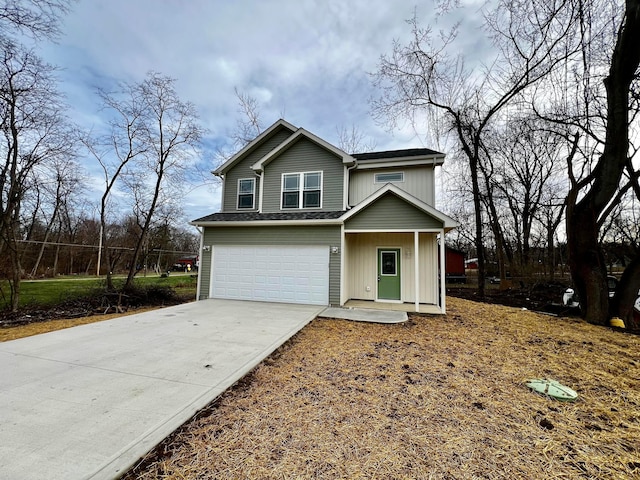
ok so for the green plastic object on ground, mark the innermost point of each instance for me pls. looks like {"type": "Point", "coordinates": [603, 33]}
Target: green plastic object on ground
{"type": "Point", "coordinates": [552, 388]}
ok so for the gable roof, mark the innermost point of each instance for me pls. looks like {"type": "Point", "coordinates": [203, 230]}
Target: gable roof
{"type": "Point", "coordinates": [447, 222]}
{"type": "Point", "coordinates": [298, 135]}
{"type": "Point", "coordinates": [253, 144]}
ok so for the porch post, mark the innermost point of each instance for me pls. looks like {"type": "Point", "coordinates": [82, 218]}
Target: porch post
{"type": "Point", "coordinates": [416, 267]}
{"type": "Point", "coordinates": [443, 275]}
{"type": "Point", "coordinates": [343, 274]}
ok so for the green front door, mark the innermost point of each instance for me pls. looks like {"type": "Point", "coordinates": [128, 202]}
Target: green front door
{"type": "Point", "coordinates": [388, 274]}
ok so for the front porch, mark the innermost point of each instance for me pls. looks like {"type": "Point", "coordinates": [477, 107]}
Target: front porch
{"type": "Point", "coordinates": [396, 307]}
{"type": "Point", "coordinates": [414, 266]}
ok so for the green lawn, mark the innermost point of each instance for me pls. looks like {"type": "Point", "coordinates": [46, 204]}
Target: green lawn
{"type": "Point", "coordinates": [53, 291]}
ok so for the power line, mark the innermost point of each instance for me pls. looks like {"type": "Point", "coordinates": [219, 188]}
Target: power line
{"type": "Point", "coordinates": [83, 245]}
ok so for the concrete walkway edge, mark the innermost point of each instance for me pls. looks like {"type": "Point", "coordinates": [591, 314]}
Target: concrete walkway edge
{"type": "Point", "coordinates": [365, 315]}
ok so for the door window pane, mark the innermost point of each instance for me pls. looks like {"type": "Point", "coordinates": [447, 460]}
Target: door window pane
{"type": "Point", "coordinates": [388, 260]}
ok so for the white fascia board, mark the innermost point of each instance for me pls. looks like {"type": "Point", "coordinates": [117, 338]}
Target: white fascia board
{"type": "Point", "coordinates": [251, 145]}
{"type": "Point", "coordinates": [301, 132]}
{"type": "Point", "coordinates": [269, 223]}
{"type": "Point", "coordinates": [448, 222]}
{"type": "Point", "coordinates": [394, 230]}
{"type": "Point", "coordinates": [401, 162]}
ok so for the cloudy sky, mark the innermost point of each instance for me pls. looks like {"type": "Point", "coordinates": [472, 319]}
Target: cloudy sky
{"type": "Point", "coordinates": [306, 60]}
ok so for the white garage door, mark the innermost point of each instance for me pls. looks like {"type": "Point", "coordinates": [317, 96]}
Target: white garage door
{"type": "Point", "coordinates": [289, 274]}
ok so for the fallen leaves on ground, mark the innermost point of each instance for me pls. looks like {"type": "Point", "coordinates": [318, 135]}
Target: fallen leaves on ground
{"type": "Point", "coordinates": [436, 397]}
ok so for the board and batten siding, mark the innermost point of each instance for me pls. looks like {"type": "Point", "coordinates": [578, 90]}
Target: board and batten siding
{"type": "Point", "coordinates": [305, 156]}
{"type": "Point", "coordinates": [273, 235]}
{"type": "Point", "coordinates": [243, 170]}
{"type": "Point", "coordinates": [418, 181]}
{"type": "Point", "coordinates": [361, 269]}
{"type": "Point", "coordinates": [390, 212]}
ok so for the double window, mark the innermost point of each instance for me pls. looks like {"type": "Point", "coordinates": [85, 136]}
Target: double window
{"type": "Point", "coordinates": [302, 190]}
{"type": "Point", "coordinates": [246, 193]}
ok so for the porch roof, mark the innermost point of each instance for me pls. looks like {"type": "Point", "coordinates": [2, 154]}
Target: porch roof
{"type": "Point", "coordinates": [442, 220]}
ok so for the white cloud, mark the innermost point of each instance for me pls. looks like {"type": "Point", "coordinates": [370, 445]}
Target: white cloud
{"type": "Point", "coordinates": [309, 59]}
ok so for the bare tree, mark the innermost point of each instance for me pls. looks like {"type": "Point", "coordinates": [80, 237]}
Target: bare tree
{"type": "Point", "coordinates": [37, 18]}
{"type": "Point", "coordinates": [64, 181]}
{"type": "Point", "coordinates": [595, 100]}
{"type": "Point", "coordinates": [171, 135]}
{"type": "Point", "coordinates": [525, 181]}
{"type": "Point", "coordinates": [425, 79]}
{"type": "Point", "coordinates": [249, 125]}
{"type": "Point", "coordinates": [125, 141]}
{"type": "Point", "coordinates": [34, 132]}
{"type": "Point", "coordinates": [352, 140]}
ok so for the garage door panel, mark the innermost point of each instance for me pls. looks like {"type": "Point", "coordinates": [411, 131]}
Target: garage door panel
{"type": "Point", "coordinates": [292, 274]}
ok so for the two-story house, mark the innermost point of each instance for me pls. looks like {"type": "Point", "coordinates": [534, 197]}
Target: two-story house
{"type": "Point", "coordinates": [304, 222]}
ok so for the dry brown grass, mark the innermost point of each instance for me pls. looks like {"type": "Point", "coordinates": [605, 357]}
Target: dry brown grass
{"type": "Point", "coordinates": [36, 328]}
{"type": "Point", "coordinates": [438, 397]}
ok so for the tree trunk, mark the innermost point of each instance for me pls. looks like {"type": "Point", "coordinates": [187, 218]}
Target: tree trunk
{"type": "Point", "coordinates": [627, 292]}
{"type": "Point", "coordinates": [587, 264]}
{"type": "Point", "coordinates": [34, 270]}
{"type": "Point", "coordinates": [586, 260]}
{"type": "Point", "coordinates": [551, 254]}
{"type": "Point", "coordinates": [477, 205]}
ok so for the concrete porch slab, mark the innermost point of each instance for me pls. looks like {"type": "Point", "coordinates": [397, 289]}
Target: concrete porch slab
{"type": "Point", "coordinates": [364, 315]}
{"type": "Point", "coordinates": [398, 307]}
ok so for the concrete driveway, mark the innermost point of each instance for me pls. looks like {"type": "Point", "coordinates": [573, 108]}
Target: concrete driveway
{"type": "Point", "coordinates": [89, 401]}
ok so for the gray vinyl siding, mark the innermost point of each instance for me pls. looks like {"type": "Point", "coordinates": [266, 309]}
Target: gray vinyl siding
{"type": "Point", "coordinates": [276, 235]}
{"type": "Point", "coordinates": [243, 170]}
{"type": "Point", "coordinates": [305, 156]}
{"type": "Point", "coordinates": [390, 212]}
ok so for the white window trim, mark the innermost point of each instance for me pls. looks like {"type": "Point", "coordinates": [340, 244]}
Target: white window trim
{"type": "Point", "coordinates": [301, 190]}
{"type": "Point", "coordinates": [375, 177]}
{"type": "Point", "coordinates": [253, 193]}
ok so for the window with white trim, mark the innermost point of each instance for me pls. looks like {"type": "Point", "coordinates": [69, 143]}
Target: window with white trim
{"type": "Point", "coordinates": [389, 177]}
{"type": "Point", "coordinates": [246, 193]}
{"type": "Point", "coordinates": [302, 190]}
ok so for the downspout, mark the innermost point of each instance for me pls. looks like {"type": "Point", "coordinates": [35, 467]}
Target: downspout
{"type": "Point", "coordinates": [221, 176]}
{"type": "Point", "coordinates": [347, 182]}
{"type": "Point", "coordinates": [261, 177]}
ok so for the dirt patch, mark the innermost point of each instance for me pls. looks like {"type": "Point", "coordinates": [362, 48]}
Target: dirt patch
{"type": "Point", "coordinates": [82, 308]}
{"type": "Point", "coordinates": [51, 325]}
{"type": "Point", "coordinates": [436, 397]}
{"type": "Point", "coordinates": [544, 297]}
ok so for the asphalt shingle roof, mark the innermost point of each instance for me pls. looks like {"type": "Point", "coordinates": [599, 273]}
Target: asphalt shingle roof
{"type": "Point", "coordinates": [255, 216]}
{"type": "Point", "coordinates": [409, 152]}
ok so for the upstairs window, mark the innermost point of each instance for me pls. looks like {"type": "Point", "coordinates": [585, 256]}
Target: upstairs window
{"type": "Point", "coordinates": [312, 187]}
{"type": "Point", "coordinates": [302, 190]}
{"type": "Point", "coordinates": [391, 177]}
{"type": "Point", "coordinates": [246, 193]}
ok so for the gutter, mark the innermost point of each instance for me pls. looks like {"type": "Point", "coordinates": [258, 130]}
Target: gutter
{"type": "Point", "coordinates": [253, 223]}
